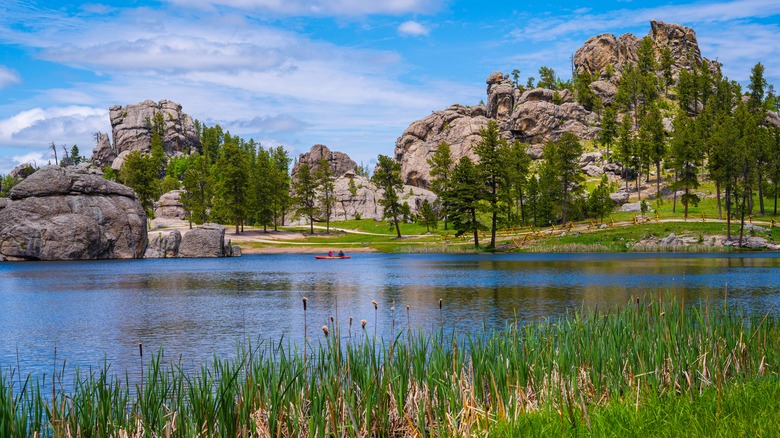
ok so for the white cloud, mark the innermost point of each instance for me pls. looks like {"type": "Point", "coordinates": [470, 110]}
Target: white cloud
{"type": "Point", "coordinates": [321, 7]}
{"type": "Point", "coordinates": [8, 76]}
{"type": "Point", "coordinates": [39, 126]}
{"type": "Point", "coordinates": [413, 28]}
{"type": "Point", "coordinates": [34, 158]}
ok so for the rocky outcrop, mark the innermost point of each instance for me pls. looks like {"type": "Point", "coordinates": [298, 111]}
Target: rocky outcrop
{"type": "Point", "coordinates": [131, 130]}
{"type": "Point", "coordinates": [605, 50]}
{"type": "Point", "coordinates": [163, 245]}
{"type": "Point", "coordinates": [339, 162]}
{"type": "Point", "coordinates": [62, 214]}
{"type": "Point", "coordinates": [205, 241]}
{"type": "Point", "coordinates": [169, 206]}
{"type": "Point", "coordinates": [103, 154]}
{"type": "Point", "coordinates": [457, 125]}
{"type": "Point", "coordinates": [22, 171]}
{"type": "Point", "coordinates": [535, 116]}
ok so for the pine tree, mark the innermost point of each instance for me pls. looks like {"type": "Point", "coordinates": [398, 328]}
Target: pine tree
{"type": "Point", "coordinates": [653, 135]}
{"type": "Point", "coordinates": [625, 147]}
{"type": "Point", "coordinates": [547, 78]}
{"type": "Point", "coordinates": [518, 165]}
{"type": "Point", "coordinates": [562, 159]}
{"type": "Point", "coordinates": [667, 62]}
{"type": "Point", "coordinates": [464, 198]}
{"type": "Point", "coordinates": [139, 172]}
{"type": "Point", "coordinates": [281, 184]}
{"type": "Point", "coordinates": [198, 189]}
{"type": "Point", "coordinates": [263, 183]}
{"type": "Point", "coordinates": [686, 156]}
{"type": "Point", "coordinates": [492, 151]}
{"type": "Point", "coordinates": [441, 164]}
{"type": "Point", "coordinates": [599, 202]}
{"type": "Point", "coordinates": [325, 187]}
{"type": "Point", "coordinates": [232, 184]}
{"type": "Point", "coordinates": [304, 186]}
{"type": "Point", "coordinates": [428, 216]}
{"type": "Point", "coordinates": [757, 86]}
{"type": "Point", "coordinates": [387, 177]}
{"type": "Point", "coordinates": [608, 131]}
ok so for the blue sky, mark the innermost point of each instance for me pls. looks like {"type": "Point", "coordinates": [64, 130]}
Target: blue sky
{"type": "Point", "coordinates": [351, 74]}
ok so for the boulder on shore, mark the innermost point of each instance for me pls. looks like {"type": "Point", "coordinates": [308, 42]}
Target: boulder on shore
{"type": "Point", "coordinates": [63, 214]}
{"type": "Point", "coordinates": [205, 241]}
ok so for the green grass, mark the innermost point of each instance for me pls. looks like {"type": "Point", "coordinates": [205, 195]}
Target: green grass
{"type": "Point", "coordinates": [649, 368]}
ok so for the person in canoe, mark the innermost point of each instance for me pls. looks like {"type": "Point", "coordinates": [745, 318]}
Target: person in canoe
{"type": "Point", "coordinates": [330, 253]}
{"type": "Point", "coordinates": [341, 253]}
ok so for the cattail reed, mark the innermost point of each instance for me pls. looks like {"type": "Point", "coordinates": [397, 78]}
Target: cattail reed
{"type": "Point", "coordinates": [375, 315]}
{"type": "Point", "coordinates": [305, 335]}
{"type": "Point", "coordinates": [141, 351]}
{"type": "Point", "coordinates": [325, 330]}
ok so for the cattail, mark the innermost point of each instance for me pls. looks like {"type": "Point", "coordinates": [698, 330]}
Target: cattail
{"type": "Point", "coordinates": [325, 330]}
{"type": "Point", "coordinates": [331, 319]}
{"type": "Point", "coordinates": [350, 322]}
{"type": "Point", "coordinates": [305, 300]}
{"type": "Point", "coordinates": [407, 307]}
{"type": "Point", "coordinates": [440, 300]}
{"type": "Point", "coordinates": [374, 303]}
{"type": "Point", "coordinates": [363, 323]}
{"type": "Point", "coordinates": [392, 307]}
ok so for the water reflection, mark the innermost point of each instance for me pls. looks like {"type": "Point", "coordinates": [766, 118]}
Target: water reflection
{"type": "Point", "coordinates": [198, 308]}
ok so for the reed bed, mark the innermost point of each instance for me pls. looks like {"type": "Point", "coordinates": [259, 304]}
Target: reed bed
{"type": "Point", "coordinates": [417, 383]}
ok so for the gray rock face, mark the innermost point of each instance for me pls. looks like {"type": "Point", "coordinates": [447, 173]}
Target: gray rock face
{"type": "Point", "coordinates": [592, 170]}
{"type": "Point", "coordinates": [602, 50]}
{"type": "Point", "coordinates": [131, 129]}
{"type": "Point", "coordinates": [457, 125]}
{"type": "Point", "coordinates": [619, 198]}
{"type": "Point", "coordinates": [502, 95]}
{"type": "Point", "coordinates": [604, 90]}
{"type": "Point", "coordinates": [169, 206]}
{"type": "Point", "coordinates": [22, 171]}
{"type": "Point", "coordinates": [340, 163]}
{"type": "Point", "coordinates": [634, 207]}
{"type": "Point", "coordinates": [60, 214]}
{"type": "Point", "coordinates": [539, 121]}
{"type": "Point", "coordinates": [206, 241]}
{"type": "Point", "coordinates": [164, 245]}
{"type": "Point", "coordinates": [103, 154]}
{"type": "Point", "coordinates": [671, 240]}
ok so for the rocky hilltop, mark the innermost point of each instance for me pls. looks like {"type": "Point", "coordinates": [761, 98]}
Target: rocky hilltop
{"type": "Point", "coordinates": [536, 116]}
{"type": "Point", "coordinates": [62, 214]}
{"type": "Point", "coordinates": [131, 131]}
{"type": "Point", "coordinates": [340, 163]}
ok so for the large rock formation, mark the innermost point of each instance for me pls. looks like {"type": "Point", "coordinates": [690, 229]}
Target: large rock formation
{"type": "Point", "coordinates": [340, 163]}
{"type": "Point", "coordinates": [457, 125]}
{"type": "Point", "coordinates": [61, 214]}
{"type": "Point", "coordinates": [131, 130]}
{"type": "Point", "coordinates": [534, 116]}
{"type": "Point", "coordinates": [169, 206]}
{"type": "Point", "coordinates": [205, 241]}
{"type": "Point", "coordinates": [605, 50]}
{"type": "Point", "coordinates": [364, 202]}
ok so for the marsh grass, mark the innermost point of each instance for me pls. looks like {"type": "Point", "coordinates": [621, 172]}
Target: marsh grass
{"type": "Point", "coordinates": [576, 374]}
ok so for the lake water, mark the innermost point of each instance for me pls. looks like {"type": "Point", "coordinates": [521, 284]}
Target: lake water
{"type": "Point", "coordinates": [196, 308]}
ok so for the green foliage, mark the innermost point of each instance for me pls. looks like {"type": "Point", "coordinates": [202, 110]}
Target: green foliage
{"type": "Point", "coordinates": [562, 172]}
{"type": "Point", "coordinates": [463, 199]}
{"type": "Point", "coordinates": [7, 182]}
{"type": "Point", "coordinates": [169, 183]}
{"type": "Point", "coordinates": [109, 173]}
{"type": "Point", "coordinates": [585, 95]}
{"type": "Point", "coordinates": [324, 179]}
{"type": "Point", "coordinates": [608, 131]}
{"type": "Point", "coordinates": [231, 202]}
{"type": "Point", "coordinates": [686, 155]}
{"type": "Point", "coordinates": [387, 177]}
{"type": "Point", "coordinates": [667, 62]}
{"type": "Point", "coordinates": [441, 165]}
{"type": "Point", "coordinates": [304, 187]}
{"type": "Point", "coordinates": [757, 86]}
{"type": "Point", "coordinates": [493, 152]}
{"type": "Point", "coordinates": [198, 189]}
{"type": "Point", "coordinates": [518, 165]}
{"type": "Point", "coordinates": [599, 202]}
{"type": "Point", "coordinates": [140, 173]}
{"type": "Point", "coordinates": [428, 216]}
{"type": "Point", "coordinates": [547, 78]}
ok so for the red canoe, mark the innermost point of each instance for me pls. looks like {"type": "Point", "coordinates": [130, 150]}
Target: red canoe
{"type": "Point", "coordinates": [330, 257]}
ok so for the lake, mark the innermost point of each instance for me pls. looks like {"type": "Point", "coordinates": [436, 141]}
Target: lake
{"type": "Point", "coordinates": [195, 308]}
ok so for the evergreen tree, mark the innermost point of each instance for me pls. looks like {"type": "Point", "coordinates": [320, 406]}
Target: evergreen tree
{"type": "Point", "coordinates": [562, 160]}
{"type": "Point", "coordinates": [139, 172]}
{"type": "Point", "coordinates": [428, 216]}
{"type": "Point", "coordinates": [533, 198]}
{"type": "Point", "coordinates": [547, 78]}
{"type": "Point", "coordinates": [653, 136]}
{"type": "Point", "coordinates": [585, 95]}
{"type": "Point", "coordinates": [263, 188]}
{"type": "Point", "coordinates": [599, 202]}
{"type": "Point", "coordinates": [492, 151]}
{"type": "Point", "coordinates": [625, 147]}
{"type": "Point", "coordinates": [441, 164]}
{"type": "Point", "coordinates": [686, 156]}
{"type": "Point", "coordinates": [518, 165]}
{"type": "Point", "coordinates": [757, 86]}
{"type": "Point", "coordinates": [667, 62]}
{"type": "Point", "coordinates": [305, 188]}
{"type": "Point", "coordinates": [325, 187]}
{"type": "Point", "coordinates": [608, 131]}
{"type": "Point", "coordinates": [198, 189]}
{"type": "Point", "coordinates": [387, 177]}
{"type": "Point", "coordinates": [281, 184]}
{"type": "Point", "coordinates": [464, 198]}
{"type": "Point", "coordinates": [232, 184]}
